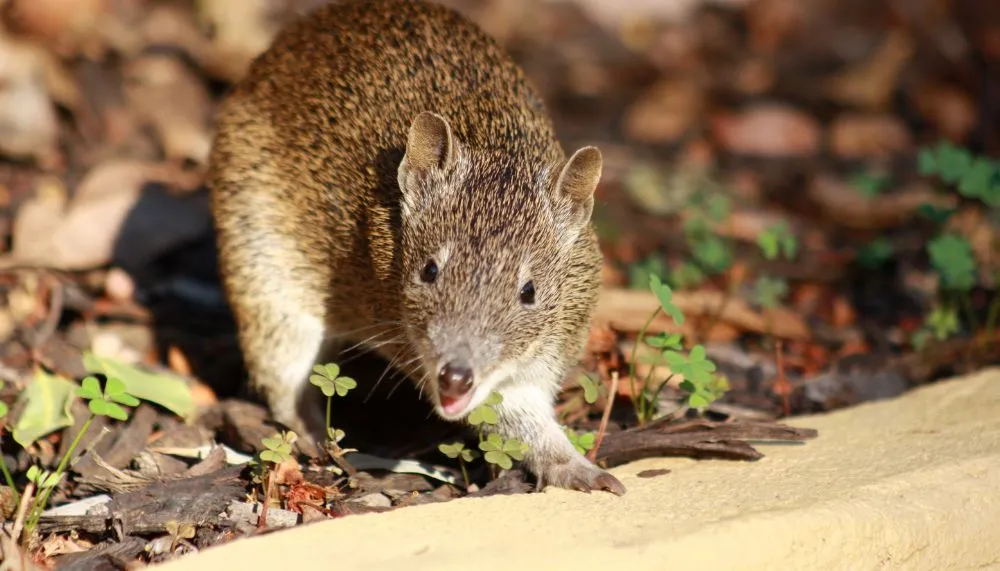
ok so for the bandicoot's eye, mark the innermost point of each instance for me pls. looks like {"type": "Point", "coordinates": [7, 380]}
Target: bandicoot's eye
{"type": "Point", "coordinates": [429, 273]}
{"type": "Point", "coordinates": [528, 293]}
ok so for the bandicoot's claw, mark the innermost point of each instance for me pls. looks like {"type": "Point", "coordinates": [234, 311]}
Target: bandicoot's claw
{"type": "Point", "coordinates": [582, 476]}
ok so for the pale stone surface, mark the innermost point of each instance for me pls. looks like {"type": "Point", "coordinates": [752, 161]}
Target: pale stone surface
{"type": "Point", "coordinates": [911, 483]}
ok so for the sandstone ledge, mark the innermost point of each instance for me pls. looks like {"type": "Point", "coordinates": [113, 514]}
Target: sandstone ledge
{"type": "Point", "coordinates": [911, 483]}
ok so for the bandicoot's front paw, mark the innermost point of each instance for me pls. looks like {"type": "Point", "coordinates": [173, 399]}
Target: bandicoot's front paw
{"type": "Point", "coordinates": [579, 474]}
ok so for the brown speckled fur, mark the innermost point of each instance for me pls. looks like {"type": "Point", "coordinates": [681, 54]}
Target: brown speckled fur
{"type": "Point", "coordinates": [317, 249]}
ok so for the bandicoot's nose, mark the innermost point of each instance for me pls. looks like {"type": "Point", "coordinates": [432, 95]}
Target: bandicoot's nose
{"type": "Point", "coordinates": [454, 380]}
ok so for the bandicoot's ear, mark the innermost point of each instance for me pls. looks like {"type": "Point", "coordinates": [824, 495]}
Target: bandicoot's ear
{"type": "Point", "coordinates": [575, 187]}
{"type": "Point", "coordinates": [430, 143]}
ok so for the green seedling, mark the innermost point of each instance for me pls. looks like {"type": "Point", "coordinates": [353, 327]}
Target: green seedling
{"type": "Point", "coordinates": [703, 393]}
{"type": "Point", "coordinates": [582, 442]}
{"type": "Point", "coordinates": [277, 449]}
{"type": "Point", "coordinates": [951, 256]}
{"type": "Point", "coordinates": [778, 240]}
{"type": "Point", "coordinates": [769, 292]}
{"type": "Point", "coordinates": [457, 450]}
{"type": "Point", "coordinates": [42, 478]}
{"type": "Point", "coordinates": [502, 453]}
{"type": "Point", "coordinates": [666, 298]}
{"type": "Point", "coordinates": [104, 401]}
{"type": "Point", "coordinates": [713, 253]}
{"type": "Point", "coordinates": [3, 463]}
{"type": "Point", "coordinates": [327, 377]}
{"type": "Point", "coordinates": [639, 272]}
{"type": "Point", "coordinates": [694, 366]}
{"type": "Point", "coordinates": [875, 253]}
{"type": "Point", "coordinates": [590, 388]}
{"type": "Point", "coordinates": [974, 177]}
{"type": "Point", "coordinates": [486, 413]}
{"type": "Point", "coordinates": [870, 183]}
{"type": "Point", "coordinates": [686, 275]}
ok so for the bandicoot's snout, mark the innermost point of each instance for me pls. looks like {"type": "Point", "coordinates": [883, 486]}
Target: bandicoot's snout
{"type": "Point", "coordinates": [454, 386]}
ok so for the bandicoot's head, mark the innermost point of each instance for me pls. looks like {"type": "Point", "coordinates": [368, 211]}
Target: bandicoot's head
{"type": "Point", "coordinates": [488, 244]}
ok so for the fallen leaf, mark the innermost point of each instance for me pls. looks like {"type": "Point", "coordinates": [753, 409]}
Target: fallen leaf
{"type": "Point", "coordinates": [164, 93]}
{"type": "Point", "coordinates": [768, 130]}
{"type": "Point", "coordinates": [837, 201]}
{"type": "Point", "coordinates": [46, 401]}
{"type": "Point", "coordinates": [84, 234]}
{"type": "Point", "coordinates": [666, 111]}
{"type": "Point", "coordinates": [29, 127]}
{"type": "Point", "coordinates": [871, 83]}
{"type": "Point", "coordinates": [859, 136]}
{"type": "Point", "coordinates": [166, 390]}
{"type": "Point", "coordinates": [241, 28]}
{"type": "Point", "coordinates": [950, 110]}
{"type": "Point", "coordinates": [628, 310]}
{"type": "Point", "coordinates": [70, 27]}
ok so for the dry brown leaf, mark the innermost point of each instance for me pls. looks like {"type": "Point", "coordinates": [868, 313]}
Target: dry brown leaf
{"type": "Point", "coordinates": [616, 14]}
{"type": "Point", "coordinates": [770, 22]}
{"type": "Point", "coordinates": [81, 234]}
{"type": "Point", "coordinates": [628, 310]}
{"type": "Point", "coordinates": [174, 25]}
{"type": "Point", "coordinates": [69, 27]}
{"type": "Point", "coordinates": [29, 127]}
{"type": "Point", "coordinates": [241, 29]}
{"type": "Point", "coordinates": [857, 136]}
{"type": "Point", "coordinates": [871, 83]}
{"type": "Point", "coordinates": [13, 558]}
{"type": "Point", "coordinates": [836, 200]}
{"type": "Point", "coordinates": [950, 110]}
{"type": "Point", "coordinates": [666, 111]}
{"type": "Point", "coordinates": [163, 92]}
{"type": "Point", "coordinates": [768, 130]}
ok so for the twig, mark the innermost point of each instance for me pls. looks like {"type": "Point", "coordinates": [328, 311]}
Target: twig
{"type": "Point", "coordinates": [56, 299]}
{"type": "Point", "coordinates": [781, 385]}
{"type": "Point", "coordinates": [262, 519]}
{"type": "Point", "coordinates": [22, 509]}
{"type": "Point", "coordinates": [592, 455]}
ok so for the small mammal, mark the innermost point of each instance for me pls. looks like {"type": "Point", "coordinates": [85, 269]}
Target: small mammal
{"type": "Point", "coordinates": [386, 175]}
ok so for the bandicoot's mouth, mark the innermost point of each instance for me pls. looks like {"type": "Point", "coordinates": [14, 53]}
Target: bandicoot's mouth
{"type": "Point", "coordinates": [454, 406]}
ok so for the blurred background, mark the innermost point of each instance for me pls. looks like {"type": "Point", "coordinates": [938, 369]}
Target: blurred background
{"type": "Point", "coordinates": [778, 162]}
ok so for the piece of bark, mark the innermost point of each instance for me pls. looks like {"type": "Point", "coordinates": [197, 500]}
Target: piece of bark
{"type": "Point", "coordinates": [695, 439]}
{"type": "Point", "coordinates": [508, 482]}
{"type": "Point", "coordinates": [119, 448]}
{"type": "Point", "coordinates": [109, 556]}
{"type": "Point", "coordinates": [197, 501]}
{"type": "Point", "coordinates": [243, 425]}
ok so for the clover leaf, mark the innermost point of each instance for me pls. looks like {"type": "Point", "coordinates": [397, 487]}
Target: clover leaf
{"type": "Point", "coordinates": [777, 240]}
{"type": "Point", "coordinates": [590, 392]}
{"type": "Point", "coordinates": [665, 295]}
{"type": "Point", "coordinates": [486, 413]}
{"type": "Point", "coordinates": [952, 257]}
{"type": "Point", "coordinates": [105, 402]}
{"type": "Point", "coordinates": [278, 448]}
{"type": "Point", "coordinates": [769, 291]}
{"type": "Point", "coordinates": [327, 378]}
{"type": "Point", "coordinates": [458, 450]}
{"type": "Point", "coordinates": [502, 452]}
{"type": "Point", "coordinates": [582, 442]}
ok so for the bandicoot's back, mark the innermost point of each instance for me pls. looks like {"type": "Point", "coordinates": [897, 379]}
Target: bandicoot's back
{"type": "Point", "coordinates": [386, 175]}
